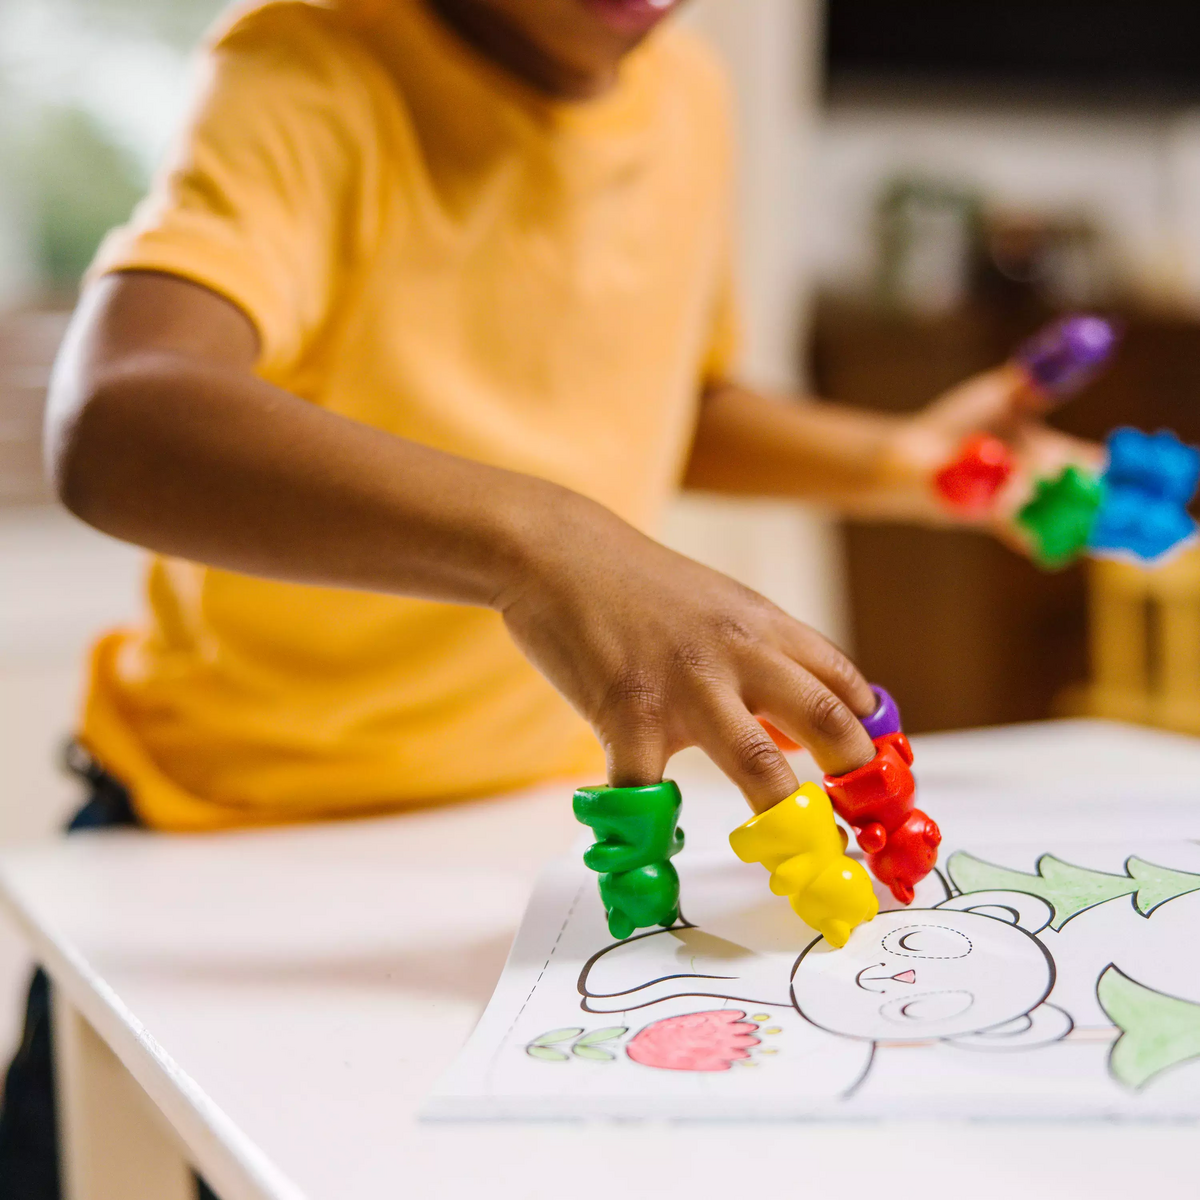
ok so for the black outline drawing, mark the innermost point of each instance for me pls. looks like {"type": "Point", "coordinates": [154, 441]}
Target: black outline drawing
{"type": "Point", "coordinates": [1010, 1035]}
{"type": "Point", "coordinates": [1132, 891]}
{"type": "Point", "coordinates": [1123, 1032]}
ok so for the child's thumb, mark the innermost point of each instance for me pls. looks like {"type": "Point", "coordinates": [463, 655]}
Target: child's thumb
{"type": "Point", "coordinates": [996, 401]}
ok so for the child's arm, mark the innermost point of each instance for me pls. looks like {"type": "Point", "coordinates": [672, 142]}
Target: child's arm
{"type": "Point", "coordinates": [875, 464]}
{"type": "Point", "coordinates": [159, 432]}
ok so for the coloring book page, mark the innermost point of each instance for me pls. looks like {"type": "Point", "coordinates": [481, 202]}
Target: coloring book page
{"type": "Point", "coordinates": [1046, 968]}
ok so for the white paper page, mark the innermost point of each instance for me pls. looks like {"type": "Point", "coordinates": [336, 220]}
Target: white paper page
{"type": "Point", "coordinates": [1073, 993]}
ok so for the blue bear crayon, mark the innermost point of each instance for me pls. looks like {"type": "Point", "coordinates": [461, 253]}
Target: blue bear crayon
{"type": "Point", "coordinates": [1149, 482]}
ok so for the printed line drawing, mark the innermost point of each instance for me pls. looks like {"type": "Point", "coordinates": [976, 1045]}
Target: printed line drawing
{"type": "Point", "coordinates": [1023, 980]}
{"type": "Point", "coordinates": [917, 975]}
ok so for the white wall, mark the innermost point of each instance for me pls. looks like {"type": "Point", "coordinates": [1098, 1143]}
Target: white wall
{"type": "Point", "coordinates": [1136, 173]}
{"type": "Point", "coordinates": [772, 47]}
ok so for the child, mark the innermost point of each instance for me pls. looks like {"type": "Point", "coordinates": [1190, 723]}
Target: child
{"type": "Point", "coordinates": [410, 347]}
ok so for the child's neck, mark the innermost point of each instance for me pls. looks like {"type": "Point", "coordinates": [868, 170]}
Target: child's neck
{"type": "Point", "coordinates": [509, 48]}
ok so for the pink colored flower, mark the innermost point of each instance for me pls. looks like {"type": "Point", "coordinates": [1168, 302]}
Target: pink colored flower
{"type": "Point", "coordinates": [703, 1041]}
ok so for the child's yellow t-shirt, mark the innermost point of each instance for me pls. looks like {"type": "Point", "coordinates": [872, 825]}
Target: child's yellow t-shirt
{"type": "Point", "coordinates": [427, 246]}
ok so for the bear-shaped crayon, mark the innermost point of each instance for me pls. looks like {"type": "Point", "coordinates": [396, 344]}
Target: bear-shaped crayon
{"type": "Point", "coordinates": [1150, 480]}
{"type": "Point", "coordinates": [971, 480]}
{"type": "Point", "coordinates": [1060, 516]}
{"type": "Point", "coordinates": [907, 856]}
{"type": "Point", "coordinates": [1064, 356]}
{"type": "Point", "coordinates": [799, 842]}
{"type": "Point", "coordinates": [637, 835]}
{"type": "Point", "coordinates": [1058, 360]}
{"type": "Point", "coordinates": [885, 717]}
{"type": "Point", "coordinates": [877, 801]}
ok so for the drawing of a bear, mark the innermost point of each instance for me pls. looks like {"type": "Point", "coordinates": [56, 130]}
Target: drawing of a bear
{"type": "Point", "coordinates": [969, 970]}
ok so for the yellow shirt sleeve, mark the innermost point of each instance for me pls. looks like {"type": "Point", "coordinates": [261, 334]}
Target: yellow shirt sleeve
{"type": "Point", "coordinates": [260, 204]}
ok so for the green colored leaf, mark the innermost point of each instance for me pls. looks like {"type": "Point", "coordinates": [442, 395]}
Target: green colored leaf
{"type": "Point", "coordinates": [594, 1053]}
{"type": "Point", "coordinates": [556, 1035]}
{"type": "Point", "coordinates": [1067, 888]}
{"type": "Point", "coordinates": [602, 1035]}
{"type": "Point", "coordinates": [1158, 884]}
{"type": "Point", "coordinates": [1070, 889]}
{"type": "Point", "coordinates": [545, 1053]}
{"type": "Point", "coordinates": [1158, 1031]}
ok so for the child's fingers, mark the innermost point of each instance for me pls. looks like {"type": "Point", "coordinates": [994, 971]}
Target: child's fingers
{"type": "Point", "coordinates": [994, 399]}
{"type": "Point", "coordinates": [743, 749]}
{"type": "Point", "coordinates": [635, 761]}
{"type": "Point", "coordinates": [799, 704]}
{"type": "Point", "coordinates": [1044, 451]}
{"type": "Point", "coordinates": [818, 655]}
{"type": "Point", "coordinates": [635, 746]}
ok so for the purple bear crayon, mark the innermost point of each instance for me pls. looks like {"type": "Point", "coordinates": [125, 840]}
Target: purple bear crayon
{"type": "Point", "coordinates": [883, 720]}
{"type": "Point", "coordinates": [1065, 355]}
{"type": "Point", "coordinates": [886, 717]}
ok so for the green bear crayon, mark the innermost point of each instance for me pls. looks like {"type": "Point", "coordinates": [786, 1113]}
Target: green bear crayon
{"type": "Point", "coordinates": [636, 835]}
{"type": "Point", "coordinates": [1060, 516]}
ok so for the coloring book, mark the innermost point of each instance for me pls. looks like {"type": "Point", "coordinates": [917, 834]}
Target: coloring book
{"type": "Point", "coordinates": [1048, 967]}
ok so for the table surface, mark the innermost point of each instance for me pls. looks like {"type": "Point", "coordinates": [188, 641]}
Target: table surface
{"type": "Point", "coordinates": [288, 998]}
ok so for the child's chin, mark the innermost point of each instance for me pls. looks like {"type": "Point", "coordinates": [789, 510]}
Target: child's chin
{"type": "Point", "coordinates": [631, 16]}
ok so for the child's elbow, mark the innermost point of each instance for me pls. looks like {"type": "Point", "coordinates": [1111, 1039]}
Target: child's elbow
{"type": "Point", "coordinates": [79, 441]}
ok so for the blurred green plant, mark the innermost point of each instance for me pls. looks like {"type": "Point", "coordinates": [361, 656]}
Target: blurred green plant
{"type": "Point", "coordinates": [77, 185]}
{"type": "Point", "coordinates": [72, 162]}
{"type": "Point", "coordinates": [177, 22]}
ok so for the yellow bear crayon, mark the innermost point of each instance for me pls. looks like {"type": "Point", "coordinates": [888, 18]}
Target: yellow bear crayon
{"type": "Point", "coordinates": [799, 842]}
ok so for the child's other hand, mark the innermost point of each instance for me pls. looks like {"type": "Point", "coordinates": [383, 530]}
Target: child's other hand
{"type": "Point", "coordinates": [1000, 402]}
{"type": "Point", "coordinates": [660, 653]}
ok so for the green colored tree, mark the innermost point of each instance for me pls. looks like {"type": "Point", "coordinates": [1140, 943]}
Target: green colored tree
{"type": "Point", "coordinates": [1157, 1031]}
{"type": "Point", "coordinates": [1071, 890]}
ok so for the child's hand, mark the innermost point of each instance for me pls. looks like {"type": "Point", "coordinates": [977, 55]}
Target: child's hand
{"type": "Point", "coordinates": [160, 432]}
{"type": "Point", "coordinates": [1000, 402]}
{"type": "Point", "coordinates": [660, 653]}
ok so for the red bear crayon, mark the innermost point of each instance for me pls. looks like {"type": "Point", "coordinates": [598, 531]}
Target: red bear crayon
{"type": "Point", "coordinates": [971, 480]}
{"type": "Point", "coordinates": [877, 801]}
{"type": "Point", "coordinates": [1057, 361]}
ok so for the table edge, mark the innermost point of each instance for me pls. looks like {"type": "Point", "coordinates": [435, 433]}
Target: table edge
{"type": "Point", "coordinates": [231, 1163]}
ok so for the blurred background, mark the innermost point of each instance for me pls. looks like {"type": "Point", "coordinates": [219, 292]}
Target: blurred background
{"type": "Point", "coordinates": [923, 182]}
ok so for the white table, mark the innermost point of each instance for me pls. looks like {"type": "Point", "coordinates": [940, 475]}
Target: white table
{"type": "Point", "coordinates": [273, 1006]}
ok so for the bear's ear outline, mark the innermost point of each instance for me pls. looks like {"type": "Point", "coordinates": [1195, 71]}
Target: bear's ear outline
{"type": "Point", "coordinates": [1043, 1025]}
{"type": "Point", "coordinates": [1028, 912]}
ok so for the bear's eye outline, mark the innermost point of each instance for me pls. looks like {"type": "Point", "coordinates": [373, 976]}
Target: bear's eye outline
{"type": "Point", "coordinates": [900, 941]}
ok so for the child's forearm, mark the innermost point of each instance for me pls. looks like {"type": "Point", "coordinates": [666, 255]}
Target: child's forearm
{"type": "Point", "coordinates": [747, 444]}
{"type": "Point", "coordinates": [182, 449]}
{"type": "Point", "coordinates": [159, 432]}
{"type": "Point", "coordinates": [871, 464]}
